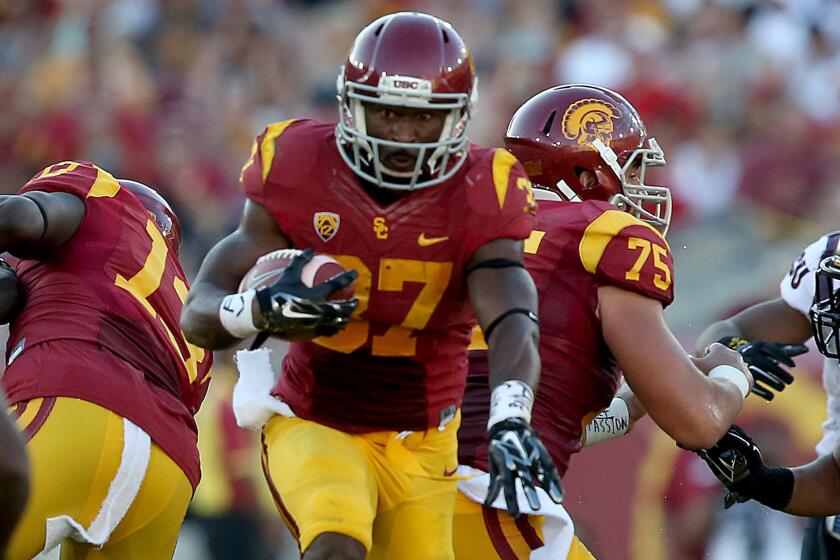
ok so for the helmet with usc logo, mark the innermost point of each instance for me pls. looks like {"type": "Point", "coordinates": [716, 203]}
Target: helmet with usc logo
{"type": "Point", "coordinates": [406, 59]}
{"type": "Point", "coordinates": [567, 129]}
{"type": "Point", "coordinates": [160, 211]}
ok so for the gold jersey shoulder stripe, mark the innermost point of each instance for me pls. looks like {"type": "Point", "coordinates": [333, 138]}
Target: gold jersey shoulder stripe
{"type": "Point", "coordinates": [267, 147]}
{"type": "Point", "coordinates": [503, 160]}
{"type": "Point", "coordinates": [600, 232]}
{"type": "Point", "coordinates": [105, 186]}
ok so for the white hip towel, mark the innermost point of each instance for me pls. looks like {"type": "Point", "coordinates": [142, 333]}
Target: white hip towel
{"type": "Point", "coordinates": [558, 529]}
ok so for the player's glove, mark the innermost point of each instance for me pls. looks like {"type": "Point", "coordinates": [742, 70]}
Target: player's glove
{"type": "Point", "coordinates": [736, 461]}
{"type": "Point", "coordinates": [291, 309]}
{"type": "Point", "coordinates": [516, 452]}
{"type": "Point", "coordinates": [763, 359]}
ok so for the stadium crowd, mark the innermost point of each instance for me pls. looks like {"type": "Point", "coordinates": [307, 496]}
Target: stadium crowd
{"type": "Point", "coordinates": [744, 94]}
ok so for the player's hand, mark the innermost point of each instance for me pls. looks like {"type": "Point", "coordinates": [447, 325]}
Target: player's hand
{"type": "Point", "coordinates": [719, 355]}
{"type": "Point", "coordinates": [291, 309]}
{"type": "Point", "coordinates": [736, 461]}
{"type": "Point", "coordinates": [516, 452]}
{"type": "Point", "coordinates": [764, 359]}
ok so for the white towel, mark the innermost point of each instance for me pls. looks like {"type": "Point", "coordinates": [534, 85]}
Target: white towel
{"type": "Point", "coordinates": [253, 403]}
{"type": "Point", "coordinates": [137, 448]}
{"type": "Point", "coordinates": [558, 529]}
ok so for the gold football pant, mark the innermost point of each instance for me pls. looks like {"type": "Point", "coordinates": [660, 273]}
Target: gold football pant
{"type": "Point", "coordinates": [483, 533]}
{"type": "Point", "coordinates": [80, 454]}
{"type": "Point", "coordinates": [393, 494]}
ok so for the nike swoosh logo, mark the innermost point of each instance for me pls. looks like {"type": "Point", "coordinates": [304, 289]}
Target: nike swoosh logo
{"type": "Point", "coordinates": [424, 241]}
{"type": "Point", "coordinates": [448, 473]}
{"type": "Point", "coordinates": [292, 314]}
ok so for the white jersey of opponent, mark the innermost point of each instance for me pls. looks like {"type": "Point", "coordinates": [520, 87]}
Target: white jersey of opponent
{"type": "Point", "coordinates": [798, 289]}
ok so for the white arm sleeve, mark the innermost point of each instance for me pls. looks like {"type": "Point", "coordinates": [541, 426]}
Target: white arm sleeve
{"type": "Point", "coordinates": [797, 287]}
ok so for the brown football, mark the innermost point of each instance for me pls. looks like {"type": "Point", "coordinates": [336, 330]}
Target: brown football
{"type": "Point", "coordinates": [269, 268]}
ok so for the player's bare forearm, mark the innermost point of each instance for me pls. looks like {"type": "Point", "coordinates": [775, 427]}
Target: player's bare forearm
{"type": "Point", "coordinates": [220, 274]}
{"type": "Point", "coordinates": [514, 352]}
{"type": "Point", "coordinates": [38, 222]}
{"type": "Point", "coordinates": [20, 222]}
{"type": "Point", "coordinates": [501, 297]}
{"type": "Point", "coordinates": [635, 408]}
{"type": "Point", "coordinates": [771, 321]}
{"type": "Point", "coordinates": [691, 408]}
{"type": "Point", "coordinates": [816, 490]}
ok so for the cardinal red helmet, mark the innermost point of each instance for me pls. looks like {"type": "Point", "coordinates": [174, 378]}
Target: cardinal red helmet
{"type": "Point", "coordinates": [406, 59]}
{"type": "Point", "coordinates": [164, 218]}
{"type": "Point", "coordinates": [566, 129]}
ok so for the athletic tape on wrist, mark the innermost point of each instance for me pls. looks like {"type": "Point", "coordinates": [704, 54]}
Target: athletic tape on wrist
{"type": "Point", "coordinates": [612, 422]}
{"type": "Point", "coordinates": [237, 315]}
{"type": "Point", "coordinates": [511, 399]}
{"type": "Point", "coordinates": [733, 375]}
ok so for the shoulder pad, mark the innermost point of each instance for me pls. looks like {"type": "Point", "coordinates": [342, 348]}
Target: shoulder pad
{"type": "Point", "coordinates": [499, 198]}
{"type": "Point", "coordinates": [798, 287]}
{"type": "Point", "coordinates": [263, 150]}
{"type": "Point", "coordinates": [285, 155]}
{"type": "Point", "coordinates": [81, 178]}
{"type": "Point", "coordinates": [498, 184]}
{"type": "Point", "coordinates": [621, 250]}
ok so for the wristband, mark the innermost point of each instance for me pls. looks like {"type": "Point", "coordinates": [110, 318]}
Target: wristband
{"type": "Point", "coordinates": [771, 486]}
{"type": "Point", "coordinates": [511, 399]}
{"type": "Point", "coordinates": [733, 375]}
{"type": "Point", "coordinates": [237, 315]}
{"type": "Point", "coordinates": [612, 422]}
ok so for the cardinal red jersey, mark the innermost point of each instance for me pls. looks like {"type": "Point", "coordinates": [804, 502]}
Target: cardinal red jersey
{"type": "Point", "coordinates": [401, 363]}
{"type": "Point", "coordinates": [116, 285]}
{"type": "Point", "coordinates": [575, 248]}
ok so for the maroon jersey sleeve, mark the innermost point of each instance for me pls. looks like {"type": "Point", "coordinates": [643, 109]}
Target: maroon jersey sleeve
{"type": "Point", "coordinates": [502, 200]}
{"type": "Point", "coordinates": [623, 251]}
{"type": "Point", "coordinates": [82, 179]}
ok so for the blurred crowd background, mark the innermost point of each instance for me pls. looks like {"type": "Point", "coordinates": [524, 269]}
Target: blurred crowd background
{"type": "Point", "coordinates": [743, 95]}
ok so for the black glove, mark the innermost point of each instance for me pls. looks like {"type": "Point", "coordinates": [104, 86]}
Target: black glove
{"type": "Point", "coordinates": [291, 309]}
{"type": "Point", "coordinates": [515, 451]}
{"type": "Point", "coordinates": [732, 460]}
{"type": "Point", "coordinates": [763, 359]}
{"type": "Point", "coordinates": [736, 461]}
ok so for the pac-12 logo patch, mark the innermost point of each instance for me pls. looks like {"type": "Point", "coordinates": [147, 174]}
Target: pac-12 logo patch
{"type": "Point", "coordinates": [588, 120]}
{"type": "Point", "coordinates": [326, 224]}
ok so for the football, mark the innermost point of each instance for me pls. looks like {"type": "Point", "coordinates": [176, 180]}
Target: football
{"type": "Point", "coordinates": [270, 267]}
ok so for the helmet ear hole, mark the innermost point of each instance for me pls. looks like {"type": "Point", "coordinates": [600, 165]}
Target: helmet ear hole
{"type": "Point", "coordinates": [586, 177]}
